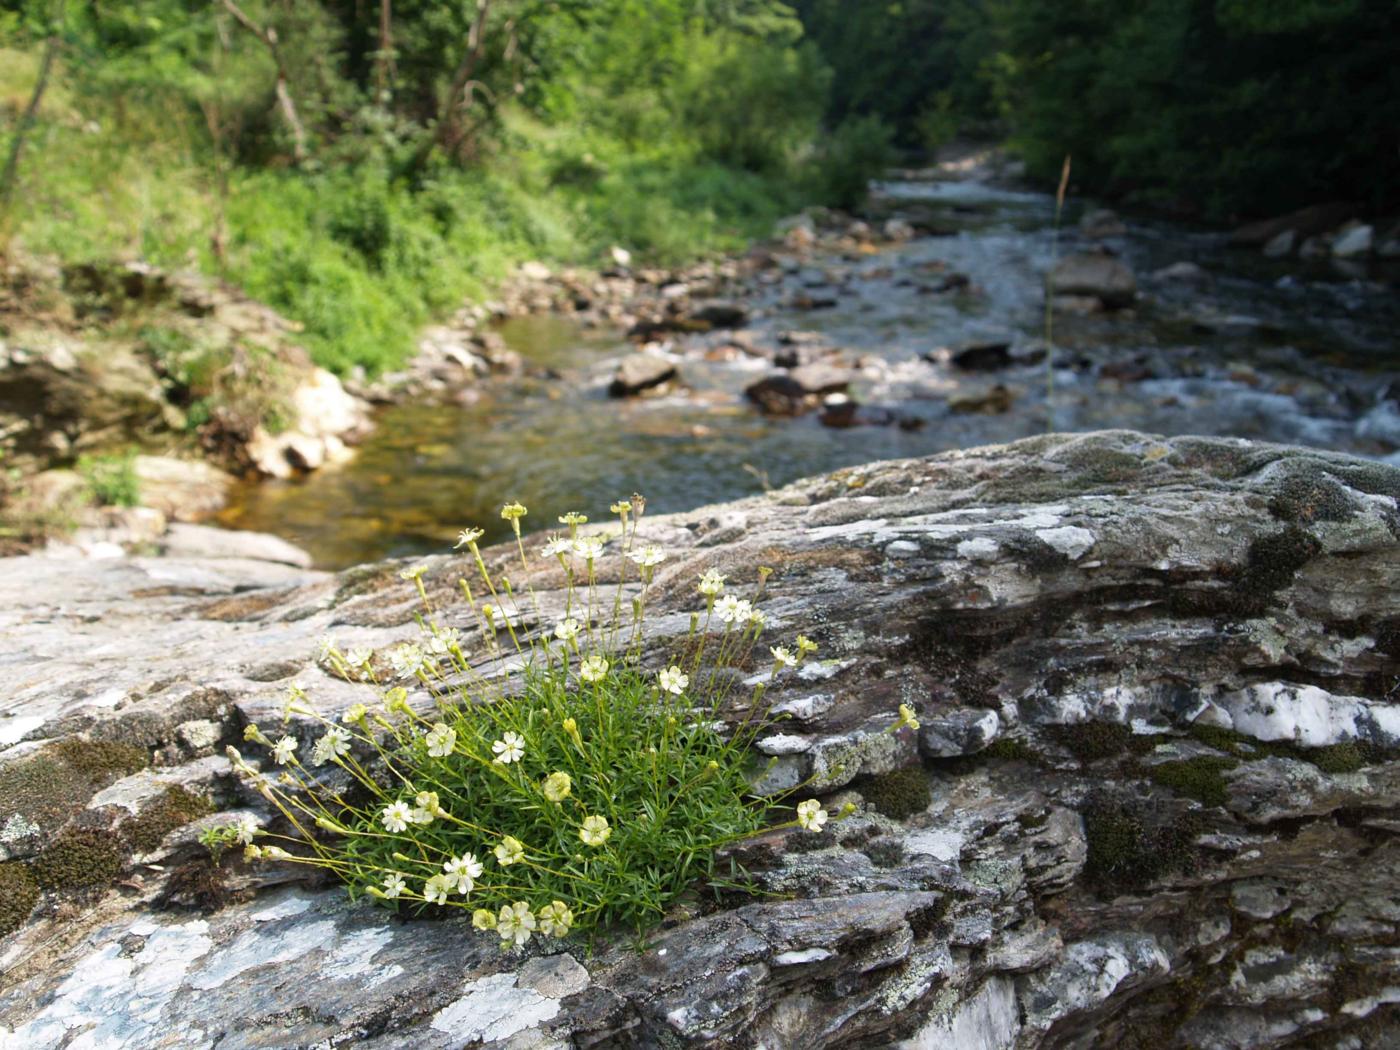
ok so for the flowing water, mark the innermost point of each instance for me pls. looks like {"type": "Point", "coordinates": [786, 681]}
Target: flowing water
{"type": "Point", "coordinates": [1276, 350]}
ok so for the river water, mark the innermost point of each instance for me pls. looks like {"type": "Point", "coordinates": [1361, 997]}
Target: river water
{"type": "Point", "coordinates": [1278, 350]}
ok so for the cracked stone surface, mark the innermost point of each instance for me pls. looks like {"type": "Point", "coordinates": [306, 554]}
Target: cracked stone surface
{"type": "Point", "coordinates": [1157, 681]}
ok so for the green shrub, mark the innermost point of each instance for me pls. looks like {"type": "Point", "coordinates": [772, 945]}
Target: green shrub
{"type": "Point", "coordinates": [112, 478]}
{"type": "Point", "coordinates": [859, 150]}
{"type": "Point", "coordinates": [581, 790]}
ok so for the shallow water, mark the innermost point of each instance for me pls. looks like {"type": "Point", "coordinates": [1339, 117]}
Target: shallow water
{"type": "Point", "coordinates": [1271, 349]}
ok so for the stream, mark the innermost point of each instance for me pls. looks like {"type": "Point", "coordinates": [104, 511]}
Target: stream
{"type": "Point", "coordinates": [1279, 350]}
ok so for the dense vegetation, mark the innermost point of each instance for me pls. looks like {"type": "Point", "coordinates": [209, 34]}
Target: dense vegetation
{"type": "Point", "coordinates": [1218, 108]}
{"type": "Point", "coordinates": [364, 164]}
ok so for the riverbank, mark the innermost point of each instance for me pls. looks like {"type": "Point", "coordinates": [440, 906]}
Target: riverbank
{"type": "Point", "coordinates": [844, 340]}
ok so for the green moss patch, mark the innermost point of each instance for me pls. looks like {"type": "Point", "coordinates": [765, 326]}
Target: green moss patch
{"type": "Point", "coordinates": [79, 857]}
{"type": "Point", "coordinates": [1199, 778]}
{"type": "Point", "coordinates": [49, 786]}
{"type": "Point", "coordinates": [899, 794]}
{"type": "Point", "coordinates": [1127, 851]}
{"type": "Point", "coordinates": [18, 894]}
{"type": "Point", "coordinates": [173, 809]}
{"type": "Point", "coordinates": [1092, 741]}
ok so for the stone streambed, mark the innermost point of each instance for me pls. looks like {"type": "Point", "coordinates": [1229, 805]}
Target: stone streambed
{"type": "Point", "coordinates": [1153, 800]}
{"type": "Point", "coordinates": [920, 331]}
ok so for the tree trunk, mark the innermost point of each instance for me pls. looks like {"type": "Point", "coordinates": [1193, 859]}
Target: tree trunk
{"type": "Point", "coordinates": [10, 176]}
{"type": "Point", "coordinates": [268, 36]}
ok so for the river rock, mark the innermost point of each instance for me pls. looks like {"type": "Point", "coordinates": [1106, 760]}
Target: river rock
{"type": "Point", "coordinates": [639, 372]}
{"type": "Point", "coordinates": [202, 542]}
{"type": "Point", "coordinates": [1184, 272]}
{"type": "Point", "coordinates": [1353, 240]}
{"type": "Point", "coordinates": [1101, 223]}
{"type": "Point", "coordinates": [1305, 222]}
{"type": "Point", "coordinates": [1083, 854]}
{"type": "Point", "coordinates": [1101, 276]}
{"type": "Point", "coordinates": [1281, 244]}
{"type": "Point", "coordinates": [182, 489]}
{"type": "Point", "coordinates": [721, 315]}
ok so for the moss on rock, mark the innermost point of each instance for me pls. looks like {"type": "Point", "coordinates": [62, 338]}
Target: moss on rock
{"type": "Point", "coordinates": [898, 794]}
{"type": "Point", "coordinates": [48, 786]}
{"type": "Point", "coordinates": [175, 808]}
{"type": "Point", "coordinates": [18, 894]}
{"type": "Point", "coordinates": [79, 857]}
{"type": "Point", "coordinates": [1127, 851]}
{"type": "Point", "coordinates": [1200, 778]}
{"type": "Point", "coordinates": [1091, 741]}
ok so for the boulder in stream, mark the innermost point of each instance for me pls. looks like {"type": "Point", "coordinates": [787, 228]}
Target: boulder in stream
{"type": "Point", "coordinates": [1103, 277]}
{"type": "Point", "coordinates": [640, 372]}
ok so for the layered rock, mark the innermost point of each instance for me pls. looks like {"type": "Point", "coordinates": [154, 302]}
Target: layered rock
{"type": "Point", "coordinates": [1152, 801]}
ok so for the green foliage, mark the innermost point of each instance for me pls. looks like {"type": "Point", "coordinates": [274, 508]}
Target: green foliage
{"type": "Point", "coordinates": [112, 478]}
{"type": "Point", "coordinates": [576, 790]}
{"type": "Point", "coordinates": [856, 152]}
{"type": "Point", "coordinates": [1235, 106]}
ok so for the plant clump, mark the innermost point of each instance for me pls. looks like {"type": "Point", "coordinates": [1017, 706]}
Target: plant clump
{"type": "Point", "coordinates": [175, 808]}
{"type": "Point", "coordinates": [572, 790]}
{"type": "Point", "coordinates": [1128, 850]}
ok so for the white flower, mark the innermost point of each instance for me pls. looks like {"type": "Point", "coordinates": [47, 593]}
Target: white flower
{"type": "Point", "coordinates": [810, 815]}
{"type": "Point", "coordinates": [283, 749]}
{"type": "Point", "coordinates": [782, 656]}
{"type": "Point", "coordinates": [462, 872]}
{"type": "Point", "coordinates": [354, 713]}
{"type": "Point", "coordinates": [556, 919]}
{"type": "Point", "coordinates": [648, 557]}
{"type": "Point", "coordinates": [732, 609]}
{"type": "Point", "coordinates": [515, 924]}
{"type": "Point", "coordinates": [711, 583]}
{"type": "Point", "coordinates": [428, 802]}
{"type": "Point", "coordinates": [513, 512]}
{"type": "Point", "coordinates": [557, 786]}
{"type": "Point", "coordinates": [757, 619]}
{"type": "Point", "coordinates": [567, 631]}
{"type": "Point", "coordinates": [556, 546]}
{"type": "Point", "coordinates": [441, 740]}
{"type": "Point", "coordinates": [510, 851]}
{"type": "Point", "coordinates": [673, 680]}
{"type": "Point", "coordinates": [468, 537]}
{"type": "Point", "coordinates": [444, 641]}
{"type": "Point", "coordinates": [325, 646]}
{"type": "Point", "coordinates": [420, 815]}
{"type": "Point", "coordinates": [589, 548]}
{"type": "Point", "coordinates": [573, 519]}
{"type": "Point", "coordinates": [394, 885]}
{"type": "Point", "coordinates": [358, 657]}
{"type": "Point", "coordinates": [593, 669]}
{"type": "Point", "coordinates": [510, 748]}
{"type": "Point", "coordinates": [247, 828]}
{"type": "Point", "coordinates": [407, 660]}
{"type": "Point", "coordinates": [413, 572]}
{"type": "Point", "coordinates": [435, 890]}
{"type": "Point", "coordinates": [335, 744]}
{"type": "Point", "coordinates": [595, 831]}
{"type": "Point", "coordinates": [396, 817]}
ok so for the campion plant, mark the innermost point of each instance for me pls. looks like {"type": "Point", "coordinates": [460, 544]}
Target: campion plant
{"type": "Point", "coordinates": [553, 783]}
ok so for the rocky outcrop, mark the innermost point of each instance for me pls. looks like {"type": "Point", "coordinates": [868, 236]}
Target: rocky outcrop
{"type": "Point", "coordinates": [104, 357]}
{"type": "Point", "coordinates": [1152, 801]}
